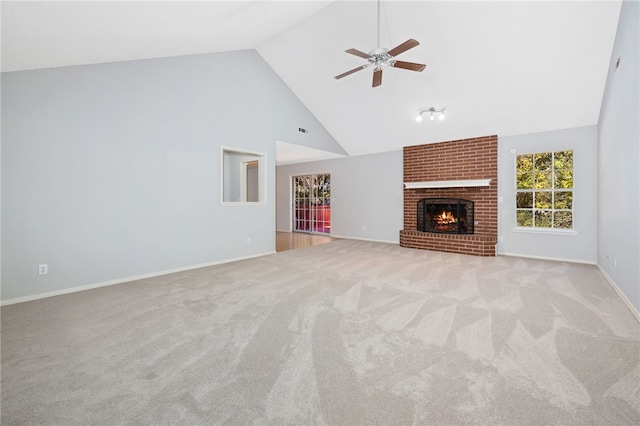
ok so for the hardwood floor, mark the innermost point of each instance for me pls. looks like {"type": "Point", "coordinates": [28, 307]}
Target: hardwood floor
{"type": "Point", "coordinates": [292, 240]}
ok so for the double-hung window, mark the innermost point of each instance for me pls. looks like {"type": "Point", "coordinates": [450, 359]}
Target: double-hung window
{"type": "Point", "coordinates": [544, 190]}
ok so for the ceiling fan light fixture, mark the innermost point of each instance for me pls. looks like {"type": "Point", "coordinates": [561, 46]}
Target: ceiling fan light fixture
{"type": "Point", "coordinates": [432, 114]}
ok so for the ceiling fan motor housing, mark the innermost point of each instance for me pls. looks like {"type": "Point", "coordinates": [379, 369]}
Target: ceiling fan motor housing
{"type": "Point", "coordinates": [377, 60]}
{"type": "Point", "coordinates": [378, 51]}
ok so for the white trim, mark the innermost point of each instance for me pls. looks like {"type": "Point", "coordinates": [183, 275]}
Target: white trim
{"type": "Point", "coordinates": [448, 184]}
{"type": "Point", "coordinates": [586, 262]}
{"type": "Point", "coordinates": [548, 231]}
{"type": "Point", "coordinates": [623, 296]}
{"type": "Point", "coordinates": [125, 280]}
{"type": "Point", "coordinates": [243, 203]}
{"type": "Point", "coordinates": [365, 239]}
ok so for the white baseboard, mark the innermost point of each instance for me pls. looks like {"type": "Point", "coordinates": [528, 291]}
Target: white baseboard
{"type": "Point", "coordinates": [606, 276]}
{"type": "Point", "coordinates": [623, 296]}
{"type": "Point", "coordinates": [346, 238]}
{"type": "Point", "coordinates": [365, 239]}
{"type": "Point", "coordinates": [125, 280]}
{"type": "Point", "coordinates": [586, 262]}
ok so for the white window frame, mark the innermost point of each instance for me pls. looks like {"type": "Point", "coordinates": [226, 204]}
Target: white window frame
{"type": "Point", "coordinates": [552, 229]}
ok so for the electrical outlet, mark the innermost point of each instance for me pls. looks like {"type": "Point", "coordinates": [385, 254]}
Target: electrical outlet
{"type": "Point", "coordinates": [364, 228]}
{"type": "Point", "coordinates": [43, 269]}
{"type": "Point", "coordinates": [248, 241]}
{"type": "Point", "coordinates": [500, 238]}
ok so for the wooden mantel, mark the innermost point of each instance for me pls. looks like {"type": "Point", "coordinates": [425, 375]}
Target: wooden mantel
{"type": "Point", "coordinates": [448, 184]}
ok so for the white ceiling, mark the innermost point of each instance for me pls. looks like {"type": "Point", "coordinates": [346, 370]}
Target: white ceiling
{"type": "Point", "coordinates": [45, 34]}
{"type": "Point", "coordinates": [500, 68]}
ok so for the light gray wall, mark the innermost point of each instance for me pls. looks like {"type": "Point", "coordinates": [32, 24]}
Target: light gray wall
{"type": "Point", "coordinates": [581, 247]}
{"type": "Point", "coordinates": [619, 160]}
{"type": "Point", "coordinates": [111, 171]}
{"type": "Point", "coordinates": [366, 195]}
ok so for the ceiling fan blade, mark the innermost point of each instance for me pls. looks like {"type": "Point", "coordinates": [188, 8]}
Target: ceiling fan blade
{"type": "Point", "coordinates": [358, 53]}
{"type": "Point", "coordinates": [412, 66]}
{"type": "Point", "coordinates": [377, 78]}
{"type": "Point", "coordinates": [344, 74]}
{"type": "Point", "coordinates": [411, 43]}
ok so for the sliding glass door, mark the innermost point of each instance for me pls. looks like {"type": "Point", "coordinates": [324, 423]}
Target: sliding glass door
{"type": "Point", "coordinates": [312, 203]}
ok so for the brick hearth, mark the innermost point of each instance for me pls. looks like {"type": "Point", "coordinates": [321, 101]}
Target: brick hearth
{"type": "Point", "coordinates": [466, 159]}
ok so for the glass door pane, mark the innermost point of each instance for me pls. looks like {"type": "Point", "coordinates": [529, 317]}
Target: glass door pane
{"type": "Point", "coordinates": [321, 204]}
{"type": "Point", "coordinates": [301, 193]}
{"type": "Point", "coordinates": [312, 203]}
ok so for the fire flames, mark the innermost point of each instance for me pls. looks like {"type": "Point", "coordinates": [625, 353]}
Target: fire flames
{"type": "Point", "coordinates": [446, 218]}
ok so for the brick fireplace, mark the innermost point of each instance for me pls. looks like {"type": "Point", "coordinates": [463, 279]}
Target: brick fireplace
{"type": "Point", "coordinates": [465, 169]}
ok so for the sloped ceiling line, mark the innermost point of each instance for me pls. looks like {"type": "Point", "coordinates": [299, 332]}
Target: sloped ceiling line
{"type": "Point", "coordinates": [502, 68]}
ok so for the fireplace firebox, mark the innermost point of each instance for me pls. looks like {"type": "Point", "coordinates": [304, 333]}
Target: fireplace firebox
{"type": "Point", "coordinates": [445, 215]}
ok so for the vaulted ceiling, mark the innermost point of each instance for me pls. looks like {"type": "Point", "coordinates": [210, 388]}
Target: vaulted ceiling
{"type": "Point", "coordinates": [502, 68]}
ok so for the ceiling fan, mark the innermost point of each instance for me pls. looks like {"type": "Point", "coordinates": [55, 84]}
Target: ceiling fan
{"type": "Point", "coordinates": [381, 56]}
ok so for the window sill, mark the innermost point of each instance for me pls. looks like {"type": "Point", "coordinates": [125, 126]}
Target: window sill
{"type": "Point", "coordinates": [548, 231]}
{"type": "Point", "coordinates": [243, 203]}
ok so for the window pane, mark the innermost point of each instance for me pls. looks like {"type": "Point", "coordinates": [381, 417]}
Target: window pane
{"type": "Point", "coordinates": [324, 185]}
{"type": "Point", "coordinates": [524, 200]}
{"type": "Point", "coordinates": [524, 217]}
{"type": "Point", "coordinates": [543, 199]}
{"type": "Point", "coordinates": [524, 163]}
{"type": "Point", "coordinates": [524, 180]}
{"type": "Point", "coordinates": [302, 188]}
{"type": "Point", "coordinates": [542, 161]}
{"type": "Point", "coordinates": [564, 179]}
{"type": "Point", "coordinates": [543, 180]}
{"type": "Point", "coordinates": [563, 200]}
{"type": "Point", "coordinates": [543, 219]}
{"type": "Point", "coordinates": [563, 160]}
{"type": "Point", "coordinates": [544, 183]}
{"type": "Point", "coordinates": [563, 220]}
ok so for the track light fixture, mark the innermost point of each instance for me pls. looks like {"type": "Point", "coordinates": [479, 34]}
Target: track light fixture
{"type": "Point", "coordinates": [432, 114]}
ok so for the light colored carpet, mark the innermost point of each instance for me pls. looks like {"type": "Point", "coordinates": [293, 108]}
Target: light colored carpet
{"type": "Point", "coordinates": [348, 332]}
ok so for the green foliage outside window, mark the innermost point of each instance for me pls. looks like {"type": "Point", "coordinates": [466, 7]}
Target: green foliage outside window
{"type": "Point", "coordinates": [544, 190]}
{"type": "Point", "coordinates": [314, 189]}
